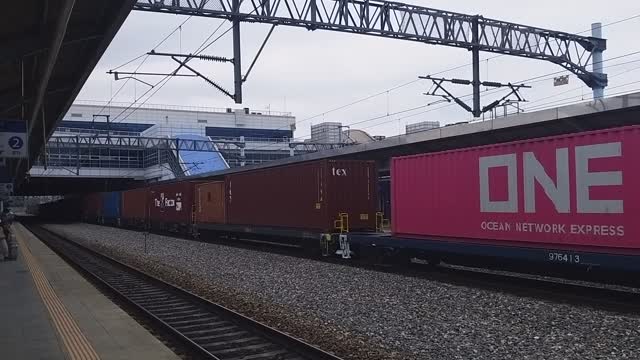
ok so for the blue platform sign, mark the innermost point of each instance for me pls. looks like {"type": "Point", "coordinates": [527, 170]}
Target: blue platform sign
{"type": "Point", "coordinates": [13, 139]}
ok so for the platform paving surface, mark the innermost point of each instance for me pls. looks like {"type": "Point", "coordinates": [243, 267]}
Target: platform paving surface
{"type": "Point", "coordinates": [26, 328]}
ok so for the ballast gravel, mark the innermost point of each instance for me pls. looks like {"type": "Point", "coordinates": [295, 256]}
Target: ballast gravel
{"type": "Point", "coordinates": [365, 314]}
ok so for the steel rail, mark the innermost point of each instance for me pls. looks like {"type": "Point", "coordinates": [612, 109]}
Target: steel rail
{"type": "Point", "coordinates": [206, 329]}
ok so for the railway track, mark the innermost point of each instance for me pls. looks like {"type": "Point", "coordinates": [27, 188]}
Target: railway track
{"type": "Point", "coordinates": [595, 295]}
{"type": "Point", "coordinates": [611, 294]}
{"type": "Point", "coordinates": [206, 330]}
{"type": "Point", "coordinates": [620, 296]}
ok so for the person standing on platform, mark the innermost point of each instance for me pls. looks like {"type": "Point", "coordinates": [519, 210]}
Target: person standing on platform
{"type": "Point", "coordinates": [6, 219]}
{"type": "Point", "coordinates": [4, 250]}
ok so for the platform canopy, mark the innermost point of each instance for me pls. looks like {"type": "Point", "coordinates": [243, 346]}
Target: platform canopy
{"type": "Point", "coordinates": [48, 49]}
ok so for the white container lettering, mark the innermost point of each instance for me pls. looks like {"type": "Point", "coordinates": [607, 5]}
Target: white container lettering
{"type": "Point", "coordinates": [534, 171]}
{"type": "Point", "coordinates": [586, 179]}
{"type": "Point", "coordinates": [165, 202]}
{"type": "Point", "coordinates": [559, 191]}
{"type": "Point", "coordinates": [510, 205]}
{"type": "Point", "coordinates": [339, 172]}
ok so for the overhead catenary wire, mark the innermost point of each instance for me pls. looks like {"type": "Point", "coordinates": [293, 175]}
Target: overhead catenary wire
{"type": "Point", "coordinates": [577, 96]}
{"type": "Point", "coordinates": [179, 27]}
{"type": "Point", "coordinates": [531, 109]}
{"type": "Point", "coordinates": [573, 102]}
{"type": "Point", "coordinates": [384, 92]}
{"type": "Point", "coordinates": [541, 107]}
{"type": "Point", "coordinates": [146, 56]}
{"type": "Point", "coordinates": [389, 114]}
{"type": "Point", "coordinates": [532, 80]}
{"type": "Point", "coordinates": [162, 82]}
{"type": "Point", "coordinates": [637, 16]}
{"type": "Point", "coordinates": [535, 79]}
{"type": "Point", "coordinates": [166, 79]}
{"type": "Point", "coordinates": [445, 71]}
{"type": "Point", "coordinates": [582, 86]}
{"type": "Point", "coordinates": [354, 102]}
{"type": "Point", "coordinates": [130, 61]}
{"type": "Point", "coordinates": [608, 67]}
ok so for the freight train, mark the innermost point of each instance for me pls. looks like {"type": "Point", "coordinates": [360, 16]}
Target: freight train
{"type": "Point", "coordinates": [569, 200]}
{"type": "Point", "coordinates": [296, 202]}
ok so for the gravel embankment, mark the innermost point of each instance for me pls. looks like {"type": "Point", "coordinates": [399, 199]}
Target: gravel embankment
{"type": "Point", "coordinates": [364, 314]}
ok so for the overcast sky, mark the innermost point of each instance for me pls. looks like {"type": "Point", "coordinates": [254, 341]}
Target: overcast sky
{"type": "Point", "coordinates": [309, 73]}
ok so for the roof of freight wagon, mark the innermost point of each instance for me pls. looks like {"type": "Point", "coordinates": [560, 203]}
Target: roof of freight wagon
{"type": "Point", "coordinates": [593, 115]}
{"type": "Point", "coordinates": [515, 143]}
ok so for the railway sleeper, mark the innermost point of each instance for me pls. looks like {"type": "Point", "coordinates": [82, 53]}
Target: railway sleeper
{"type": "Point", "coordinates": [247, 350]}
{"type": "Point", "coordinates": [224, 335]}
{"type": "Point", "coordinates": [206, 344]}
{"type": "Point", "coordinates": [273, 354]}
{"type": "Point", "coordinates": [187, 313]}
{"type": "Point", "coordinates": [161, 308]}
{"type": "Point", "coordinates": [223, 347]}
{"type": "Point", "coordinates": [168, 302]}
{"type": "Point", "coordinates": [172, 317]}
{"type": "Point", "coordinates": [153, 297]}
{"type": "Point", "coordinates": [210, 332]}
{"type": "Point", "coordinates": [204, 320]}
{"type": "Point", "coordinates": [199, 326]}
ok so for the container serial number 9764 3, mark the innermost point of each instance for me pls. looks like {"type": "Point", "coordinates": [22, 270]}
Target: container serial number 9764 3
{"type": "Point", "coordinates": [564, 258]}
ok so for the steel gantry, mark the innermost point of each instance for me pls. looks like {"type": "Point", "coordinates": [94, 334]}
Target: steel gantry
{"type": "Point", "coordinates": [74, 152]}
{"type": "Point", "coordinates": [401, 21]}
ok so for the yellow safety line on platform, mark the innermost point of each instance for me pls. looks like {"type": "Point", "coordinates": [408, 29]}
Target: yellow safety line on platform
{"type": "Point", "coordinates": [77, 345]}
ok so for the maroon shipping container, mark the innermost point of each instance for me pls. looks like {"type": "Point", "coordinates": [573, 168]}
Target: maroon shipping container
{"type": "Point", "coordinates": [210, 201]}
{"type": "Point", "coordinates": [578, 191]}
{"type": "Point", "coordinates": [171, 203]}
{"type": "Point", "coordinates": [307, 196]}
{"type": "Point", "coordinates": [134, 206]}
{"type": "Point", "coordinates": [92, 207]}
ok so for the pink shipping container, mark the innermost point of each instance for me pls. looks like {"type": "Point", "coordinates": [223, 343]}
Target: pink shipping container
{"type": "Point", "coordinates": [577, 191]}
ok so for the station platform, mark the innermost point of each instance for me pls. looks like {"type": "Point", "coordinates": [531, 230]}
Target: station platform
{"type": "Point", "coordinates": [49, 311]}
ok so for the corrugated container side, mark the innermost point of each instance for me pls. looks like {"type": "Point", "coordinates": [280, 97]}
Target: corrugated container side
{"type": "Point", "coordinates": [211, 202]}
{"type": "Point", "coordinates": [287, 196]}
{"type": "Point", "coordinates": [304, 196]}
{"type": "Point", "coordinates": [578, 189]}
{"type": "Point", "coordinates": [172, 203]}
{"type": "Point", "coordinates": [92, 206]}
{"type": "Point", "coordinates": [111, 202]}
{"type": "Point", "coordinates": [353, 189]}
{"type": "Point", "coordinates": [134, 204]}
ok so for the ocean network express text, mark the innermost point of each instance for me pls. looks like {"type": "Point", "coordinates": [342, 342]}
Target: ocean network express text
{"type": "Point", "coordinates": [556, 190]}
{"type": "Point", "coordinates": [572, 229]}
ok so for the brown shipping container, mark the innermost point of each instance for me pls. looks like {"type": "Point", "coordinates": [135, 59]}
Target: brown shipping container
{"type": "Point", "coordinates": [210, 203]}
{"type": "Point", "coordinates": [305, 196]}
{"type": "Point", "coordinates": [171, 203]}
{"type": "Point", "coordinates": [134, 204]}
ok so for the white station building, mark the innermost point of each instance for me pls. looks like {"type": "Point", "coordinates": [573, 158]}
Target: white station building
{"type": "Point", "coordinates": [265, 133]}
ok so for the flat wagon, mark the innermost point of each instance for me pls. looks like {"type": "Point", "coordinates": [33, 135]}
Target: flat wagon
{"type": "Point", "coordinates": [570, 199]}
